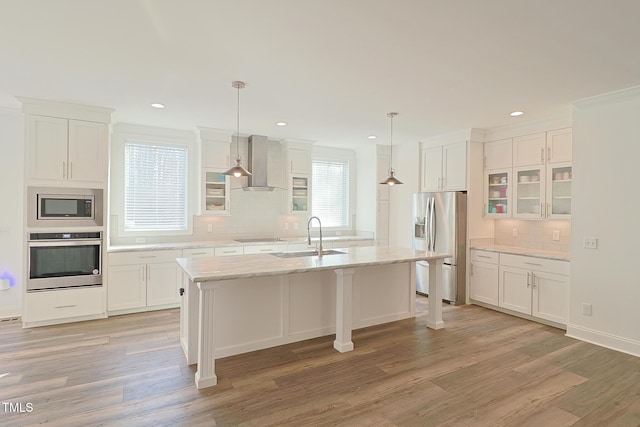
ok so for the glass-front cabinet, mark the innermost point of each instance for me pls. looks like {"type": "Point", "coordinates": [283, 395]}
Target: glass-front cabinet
{"type": "Point", "coordinates": [299, 194]}
{"type": "Point", "coordinates": [529, 197]}
{"type": "Point", "coordinates": [215, 195]}
{"type": "Point", "coordinates": [559, 178]}
{"type": "Point", "coordinates": [497, 195]}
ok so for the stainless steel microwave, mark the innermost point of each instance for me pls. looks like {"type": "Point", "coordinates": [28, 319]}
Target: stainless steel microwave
{"type": "Point", "coordinates": [64, 207]}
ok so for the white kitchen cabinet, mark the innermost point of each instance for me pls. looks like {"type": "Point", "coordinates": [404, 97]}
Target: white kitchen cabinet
{"type": "Point", "coordinates": [143, 280]}
{"type": "Point", "coordinates": [529, 150]}
{"type": "Point", "coordinates": [197, 252]}
{"type": "Point", "coordinates": [498, 154]}
{"type": "Point", "coordinates": [264, 249]}
{"type": "Point", "coordinates": [535, 286]}
{"type": "Point", "coordinates": [483, 277]}
{"type": "Point", "coordinates": [63, 305]}
{"type": "Point", "coordinates": [445, 167]}
{"type": "Point", "coordinates": [299, 161]}
{"type": "Point", "coordinates": [559, 146]}
{"type": "Point", "coordinates": [216, 154]}
{"type": "Point", "coordinates": [559, 195]}
{"type": "Point", "coordinates": [228, 250]}
{"type": "Point", "coordinates": [216, 192]}
{"type": "Point", "coordinates": [299, 194]}
{"type": "Point", "coordinates": [497, 194]}
{"type": "Point", "coordinates": [344, 243]}
{"type": "Point", "coordinates": [529, 197]}
{"type": "Point", "coordinates": [67, 150]}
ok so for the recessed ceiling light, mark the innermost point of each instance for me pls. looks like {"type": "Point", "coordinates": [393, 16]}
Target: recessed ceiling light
{"type": "Point", "coordinates": [157, 105]}
{"type": "Point", "coordinates": [281, 124]}
{"type": "Point", "coordinates": [372, 137]}
{"type": "Point", "coordinates": [516, 113]}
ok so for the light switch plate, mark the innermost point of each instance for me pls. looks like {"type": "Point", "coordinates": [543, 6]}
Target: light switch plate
{"type": "Point", "coordinates": [586, 309]}
{"type": "Point", "coordinates": [286, 226]}
{"type": "Point", "coordinates": [210, 228]}
{"type": "Point", "coordinates": [556, 235]}
{"type": "Point", "coordinates": [514, 233]}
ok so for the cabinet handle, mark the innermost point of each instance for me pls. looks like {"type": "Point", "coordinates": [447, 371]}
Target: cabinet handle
{"type": "Point", "coordinates": [547, 209]}
{"type": "Point", "coordinates": [483, 256]}
{"type": "Point", "coordinates": [548, 154]}
{"type": "Point", "coordinates": [65, 306]}
{"type": "Point", "coordinates": [198, 253]}
{"type": "Point", "coordinates": [541, 155]}
{"type": "Point", "coordinates": [147, 256]}
{"type": "Point", "coordinates": [532, 263]}
{"type": "Point", "coordinates": [528, 280]}
{"type": "Point", "coordinates": [266, 250]}
{"type": "Point", "coordinates": [533, 280]}
{"type": "Point", "coordinates": [228, 252]}
{"type": "Point", "coordinates": [64, 170]}
{"type": "Point", "coordinates": [541, 210]}
{"type": "Point", "coordinates": [70, 170]}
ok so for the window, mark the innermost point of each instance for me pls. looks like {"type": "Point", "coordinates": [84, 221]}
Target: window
{"type": "Point", "coordinates": [155, 187]}
{"type": "Point", "coordinates": [330, 195]}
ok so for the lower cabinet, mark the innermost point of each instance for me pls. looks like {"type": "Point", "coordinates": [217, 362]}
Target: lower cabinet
{"type": "Point", "coordinates": [146, 279]}
{"type": "Point", "coordinates": [63, 305]}
{"type": "Point", "coordinates": [533, 286]}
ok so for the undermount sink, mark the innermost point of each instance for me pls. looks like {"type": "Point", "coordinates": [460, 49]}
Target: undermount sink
{"type": "Point", "coordinates": [259, 240]}
{"type": "Point", "coordinates": [306, 253]}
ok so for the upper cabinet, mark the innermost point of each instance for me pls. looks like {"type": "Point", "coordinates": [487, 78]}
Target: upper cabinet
{"type": "Point", "coordinates": [66, 144]}
{"type": "Point", "coordinates": [215, 155]}
{"type": "Point", "coordinates": [542, 176]}
{"type": "Point", "coordinates": [299, 161]}
{"type": "Point", "coordinates": [444, 168]}
{"type": "Point", "coordinates": [297, 170]}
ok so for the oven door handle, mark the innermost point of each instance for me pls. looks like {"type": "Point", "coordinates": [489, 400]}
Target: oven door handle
{"type": "Point", "coordinates": [42, 243]}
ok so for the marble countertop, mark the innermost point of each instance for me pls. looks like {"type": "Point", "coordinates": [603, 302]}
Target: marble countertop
{"type": "Point", "coordinates": [539, 253]}
{"type": "Point", "coordinates": [223, 243]}
{"type": "Point", "coordinates": [211, 268]}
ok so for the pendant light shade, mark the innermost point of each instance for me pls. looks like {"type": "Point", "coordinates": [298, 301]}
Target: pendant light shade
{"type": "Point", "coordinates": [391, 180]}
{"type": "Point", "coordinates": [238, 170]}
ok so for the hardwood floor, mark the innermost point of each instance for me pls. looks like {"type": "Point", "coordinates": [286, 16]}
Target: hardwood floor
{"type": "Point", "coordinates": [485, 369]}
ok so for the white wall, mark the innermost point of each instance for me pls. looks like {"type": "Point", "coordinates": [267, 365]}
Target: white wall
{"type": "Point", "coordinates": [606, 202]}
{"type": "Point", "coordinates": [11, 214]}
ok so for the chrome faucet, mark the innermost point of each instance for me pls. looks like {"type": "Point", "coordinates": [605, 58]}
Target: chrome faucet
{"type": "Point", "coordinates": [309, 234]}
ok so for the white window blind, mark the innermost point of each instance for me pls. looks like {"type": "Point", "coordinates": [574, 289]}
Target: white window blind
{"type": "Point", "coordinates": [155, 187]}
{"type": "Point", "coordinates": [330, 192]}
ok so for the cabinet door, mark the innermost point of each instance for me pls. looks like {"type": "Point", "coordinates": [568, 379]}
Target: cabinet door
{"type": "Point", "coordinates": [551, 297]}
{"type": "Point", "coordinates": [498, 154]}
{"type": "Point", "coordinates": [88, 156]}
{"type": "Point", "coordinates": [497, 193]}
{"type": "Point", "coordinates": [431, 169]}
{"type": "Point", "coordinates": [454, 163]}
{"type": "Point", "coordinates": [529, 195]}
{"type": "Point", "coordinates": [216, 155]}
{"type": "Point", "coordinates": [483, 282]}
{"type": "Point", "coordinates": [300, 194]}
{"type": "Point", "coordinates": [515, 290]}
{"type": "Point", "coordinates": [559, 178]}
{"type": "Point", "coordinates": [529, 150]}
{"type": "Point", "coordinates": [162, 284]}
{"type": "Point", "coordinates": [47, 147]}
{"type": "Point", "coordinates": [300, 161]}
{"type": "Point", "coordinates": [559, 144]}
{"type": "Point", "coordinates": [126, 287]}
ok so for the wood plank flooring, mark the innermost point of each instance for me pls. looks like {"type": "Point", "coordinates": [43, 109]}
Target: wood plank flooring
{"type": "Point", "coordinates": [485, 369]}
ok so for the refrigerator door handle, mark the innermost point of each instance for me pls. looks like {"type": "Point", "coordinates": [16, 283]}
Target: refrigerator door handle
{"type": "Point", "coordinates": [427, 223]}
{"type": "Point", "coordinates": [432, 219]}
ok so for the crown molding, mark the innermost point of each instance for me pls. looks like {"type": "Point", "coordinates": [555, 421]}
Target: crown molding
{"type": "Point", "coordinates": [622, 95]}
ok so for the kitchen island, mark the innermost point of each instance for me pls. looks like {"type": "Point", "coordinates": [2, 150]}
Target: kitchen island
{"type": "Point", "coordinates": [237, 304]}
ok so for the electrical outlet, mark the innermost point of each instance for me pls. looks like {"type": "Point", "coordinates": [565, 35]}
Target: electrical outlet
{"type": "Point", "coordinates": [210, 228]}
{"type": "Point", "coordinates": [514, 233]}
{"type": "Point", "coordinates": [556, 235]}
{"type": "Point", "coordinates": [586, 309]}
{"type": "Point", "coordinates": [286, 226]}
{"type": "Point", "coordinates": [590, 243]}
{"type": "Point", "coordinates": [140, 240]}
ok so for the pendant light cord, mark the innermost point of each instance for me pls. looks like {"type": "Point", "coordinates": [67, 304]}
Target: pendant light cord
{"type": "Point", "coordinates": [238, 127]}
{"type": "Point", "coordinates": [391, 155]}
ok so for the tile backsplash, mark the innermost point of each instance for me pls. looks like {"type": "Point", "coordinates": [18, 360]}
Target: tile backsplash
{"type": "Point", "coordinates": [533, 234]}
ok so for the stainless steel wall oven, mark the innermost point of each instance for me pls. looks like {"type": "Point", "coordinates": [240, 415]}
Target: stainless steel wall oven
{"type": "Point", "coordinates": [64, 260]}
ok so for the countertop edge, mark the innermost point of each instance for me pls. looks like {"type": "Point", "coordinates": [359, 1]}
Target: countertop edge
{"type": "Point", "coordinates": [514, 250]}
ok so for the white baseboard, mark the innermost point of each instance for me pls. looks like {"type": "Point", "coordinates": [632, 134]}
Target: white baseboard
{"type": "Point", "coordinates": [603, 339]}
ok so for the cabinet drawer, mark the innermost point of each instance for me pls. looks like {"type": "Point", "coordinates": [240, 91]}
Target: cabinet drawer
{"type": "Point", "coordinates": [484, 256]}
{"type": "Point", "coordinates": [533, 263]}
{"type": "Point", "coordinates": [228, 250]}
{"type": "Point", "coordinates": [198, 252]}
{"type": "Point", "coordinates": [144, 257]}
{"type": "Point", "coordinates": [64, 303]}
{"type": "Point", "coordinates": [262, 249]}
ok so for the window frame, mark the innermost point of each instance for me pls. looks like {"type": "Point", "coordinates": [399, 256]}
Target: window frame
{"type": "Point", "coordinates": [320, 153]}
{"type": "Point", "coordinates": [124, 133]}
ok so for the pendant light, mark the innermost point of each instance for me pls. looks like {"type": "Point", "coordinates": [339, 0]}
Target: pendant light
{"type": "Point", "coordinates": [392, 180]}
{"type": "Point", "coordinates": [238, 170]}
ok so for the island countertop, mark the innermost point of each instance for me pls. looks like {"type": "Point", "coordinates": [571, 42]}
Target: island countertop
{"type": "Point", "coordinates": [212, 268]}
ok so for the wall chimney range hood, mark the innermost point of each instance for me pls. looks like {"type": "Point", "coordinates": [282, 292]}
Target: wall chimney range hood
{"type": "Point", "coordinates": [258, 148]}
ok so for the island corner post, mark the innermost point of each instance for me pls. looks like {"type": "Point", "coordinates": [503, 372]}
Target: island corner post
{"type": "Point", "coordinates": [336, 288]}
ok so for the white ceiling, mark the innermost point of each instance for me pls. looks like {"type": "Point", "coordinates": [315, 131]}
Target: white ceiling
{"type": "Point", "coordinates": [332, 69]}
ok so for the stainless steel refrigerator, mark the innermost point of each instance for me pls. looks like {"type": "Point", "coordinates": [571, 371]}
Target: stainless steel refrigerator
{"type": "Point", "coordinates": [440, 225]}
